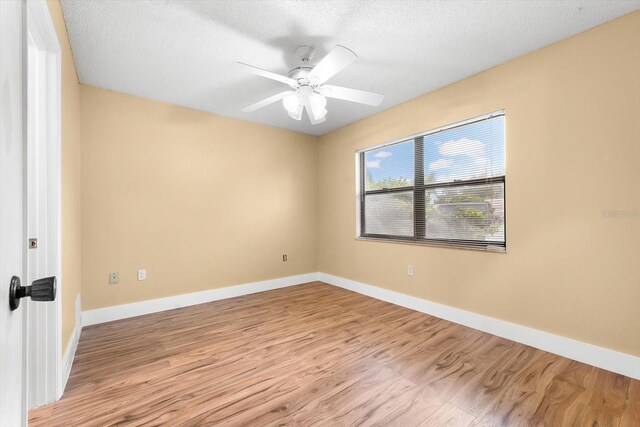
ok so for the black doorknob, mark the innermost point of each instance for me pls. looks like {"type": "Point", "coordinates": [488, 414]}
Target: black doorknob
{"type": "Point", "coordinates": [40, 290]}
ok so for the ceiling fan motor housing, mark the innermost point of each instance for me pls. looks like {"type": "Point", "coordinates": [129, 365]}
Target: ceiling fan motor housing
{"type": "Point", "coordinates": [300, 74]}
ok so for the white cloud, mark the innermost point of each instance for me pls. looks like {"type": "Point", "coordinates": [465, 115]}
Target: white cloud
{"type": "Point", "coordinates": [383, 154]}
{"type": "Point", "coordinates": [462, 147]}
{"type": "Point", "coordinates": [373, 164]}
{"type": "Point", "coordinates": [480, 161]}
{"type": "Point", "coordinates": [440, 164]}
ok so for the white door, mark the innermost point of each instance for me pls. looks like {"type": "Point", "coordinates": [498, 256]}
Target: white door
{"type": "Point", "coordinates": [13, 410]}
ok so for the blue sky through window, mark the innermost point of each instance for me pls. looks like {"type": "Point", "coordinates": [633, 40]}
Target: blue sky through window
{"type": "Point", "coordinates": [393, 162]}
{"type": "Point", "coordinates": [471, 151]}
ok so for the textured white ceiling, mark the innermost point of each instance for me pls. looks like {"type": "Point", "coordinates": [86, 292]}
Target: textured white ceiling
{"type": "Point", "coordinates": [184, 52]}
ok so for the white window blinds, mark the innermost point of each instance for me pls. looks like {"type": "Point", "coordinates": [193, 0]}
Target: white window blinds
{"type": "Point", "coordinates": [442, 187]}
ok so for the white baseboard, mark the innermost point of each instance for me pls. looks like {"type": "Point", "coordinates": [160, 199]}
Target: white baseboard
{"type": "Point", "coordinates": [70, 352]}
{"type": "Point", "coordinates": [108, 314]}
{"type": "Point", "coordinates": [600, 357]}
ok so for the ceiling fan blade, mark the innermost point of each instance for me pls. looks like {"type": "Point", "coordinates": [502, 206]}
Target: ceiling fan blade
{"type": "Point", "coordinates": [353, 95]}
{"type": "Point", "coordinates": [266, 101]}
{"type": "Point", "coordinates": [332, 64]}
{"type": "Point", "coordinates": [307, 107]}
{"type": "Point", "coordinates": [270, 75]}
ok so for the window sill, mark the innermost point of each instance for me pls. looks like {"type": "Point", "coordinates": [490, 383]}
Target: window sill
{"type": "Point", "coordinates": [488, 248]}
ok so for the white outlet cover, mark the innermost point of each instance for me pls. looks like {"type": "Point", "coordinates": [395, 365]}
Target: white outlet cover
{"type": "Point", "coordinates": [142, 274]}
{"type": "Point", "coordinates": [409, 270]}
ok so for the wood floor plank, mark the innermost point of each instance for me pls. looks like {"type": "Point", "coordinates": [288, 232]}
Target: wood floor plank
{"type": "Point", "coordinates": [407, 408]}
{"type": "Point", "coordinates": [566, 395]}
{"type": "Point", "coordinates": [448, 416]}
{"type": "Point", "coordinates": [514, 408]}
{"type": "Point", "coordinates": [609, 392]}
{"type": "Point", "coordinates": [315, 354]}
{"type": "Point", "coordinates": [488, 387]}
{"type": "Point", "coordinates": [518, 402]}
{"type": "Point", "coordinates": [631, 409]}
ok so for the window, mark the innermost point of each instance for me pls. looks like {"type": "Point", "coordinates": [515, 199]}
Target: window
{"type": "Point", "coordinates": [440, 187]}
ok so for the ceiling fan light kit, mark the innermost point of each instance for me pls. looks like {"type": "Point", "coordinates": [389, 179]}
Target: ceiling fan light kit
{"type": "Point", "coordinates": [310, 93]}
{"type": "Point", "coordinates": [295, 103]}
{"type": "Point", "coordinates": [293, 106]}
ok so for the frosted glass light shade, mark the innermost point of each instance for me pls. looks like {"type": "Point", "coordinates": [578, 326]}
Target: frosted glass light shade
{"type": "Point", "coordinates": [291, 103]}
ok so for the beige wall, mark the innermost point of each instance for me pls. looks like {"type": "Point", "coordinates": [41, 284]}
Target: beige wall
{"type": "Point", "coordinates": [573, 145]}
{"type": "Point", "coordinates": [198, 200]}
{"type": "Point", "coordinates": [71, 208]}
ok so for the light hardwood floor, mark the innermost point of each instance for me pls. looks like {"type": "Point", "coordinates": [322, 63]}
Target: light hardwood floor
{"type": "Point", "coordinates": [319, 355]}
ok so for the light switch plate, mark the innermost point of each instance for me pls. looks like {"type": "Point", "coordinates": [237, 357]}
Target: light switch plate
{"type": "Point", "coordinates": [142, 274]}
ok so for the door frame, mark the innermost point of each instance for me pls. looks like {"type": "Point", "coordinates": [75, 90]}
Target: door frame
{"type": "Point", "coordinates": [43, 331]}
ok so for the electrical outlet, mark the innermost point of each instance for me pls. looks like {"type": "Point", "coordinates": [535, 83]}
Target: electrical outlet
{"type": "Point", "coordinates": [284, 258]}
{"type": "Point", "coordinates": [410, 270]}
{"type": "Point", "coordinates": [114, 278]}
{"type": "Point", "coordinates": [142, 274]}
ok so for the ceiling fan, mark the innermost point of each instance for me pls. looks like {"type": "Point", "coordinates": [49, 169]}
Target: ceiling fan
{"type": "Point", "coordinates": [310, 92]}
